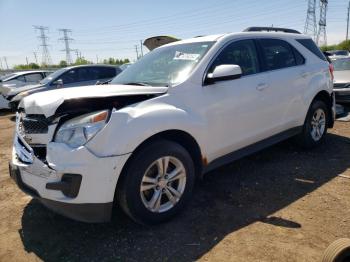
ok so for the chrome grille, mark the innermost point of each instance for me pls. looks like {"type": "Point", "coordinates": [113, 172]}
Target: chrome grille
{"type": "Point", "coordinates": [34, 124]}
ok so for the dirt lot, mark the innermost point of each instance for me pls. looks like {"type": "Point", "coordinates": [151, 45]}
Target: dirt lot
{"type": "Point", "coordinates": [282, 204]}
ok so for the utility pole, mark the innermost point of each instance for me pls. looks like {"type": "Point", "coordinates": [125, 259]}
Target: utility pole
{"type": "Point", "coordinates": [76, 53]}
{"type": "Point", "coordinates": [35, 57]}
{"type": "Point", "coordinates": [141, 48]}
{"type": "Point", "coordinates": [66, 40]}
{"type": "Point", "coordinates": [1, 64]}
{"type": "Point", "coordinates": [27, 60]}
{"type": "Point", "coordinates": [96, 59]}
{"type": "Point", "coordinates": [322, 32]}
{"type": "Point", "coordinates": [310, 23]}
{"type": "Point", "coordinates": [5, 59]}
{"type": "Point", "coordinates": [137, 52]}
{"type": "Point", "coordinates": [46, 59]}
{"type": "Point", "coordinates": [347, 23]}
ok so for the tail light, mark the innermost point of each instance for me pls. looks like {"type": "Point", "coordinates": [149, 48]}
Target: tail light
{"type": "Point", "coordinates": [331, 70]}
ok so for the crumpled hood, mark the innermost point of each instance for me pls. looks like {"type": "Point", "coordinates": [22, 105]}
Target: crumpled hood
{"type": "Point", "coordinates": [11, 90]}
{"type": "Point", "coordinates": [47, 102]}
{"type": "Point", "coordinates": [342, 76]}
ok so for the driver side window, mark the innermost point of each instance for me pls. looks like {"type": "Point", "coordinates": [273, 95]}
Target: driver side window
{"type": "Point", "coordinates": [70, 77]}
{"type": "Point", "coordinates": [242, 53]}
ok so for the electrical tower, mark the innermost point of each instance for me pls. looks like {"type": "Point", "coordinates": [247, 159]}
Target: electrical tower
{"type": "Point", "coordinates": [46, 59]}
{"type": "Point", "coordinates": [66, 40]}
{"type": "Point", "coordinates": [310, 23]}
{"type": "Point", "coordinates": [322, 32]}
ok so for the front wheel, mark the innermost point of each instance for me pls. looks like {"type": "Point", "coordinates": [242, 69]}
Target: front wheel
{"type": "Point", "coordinates": [158, 182]}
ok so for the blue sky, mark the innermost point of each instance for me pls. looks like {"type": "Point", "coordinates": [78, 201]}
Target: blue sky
{"type": "Point", "coordinates": [113, 28]}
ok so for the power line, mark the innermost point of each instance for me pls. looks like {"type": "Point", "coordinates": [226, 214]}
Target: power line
{"type": "Point", "coordinates": [322, 31]}
{"type": "Point", "coordinates": [310, 23]}
{"type": "Point", "coordinates": [66, 40]}
{"type": "Point", "coordinates": [347, 23]}
{"type": "Point", "coordinates": [46, 59]}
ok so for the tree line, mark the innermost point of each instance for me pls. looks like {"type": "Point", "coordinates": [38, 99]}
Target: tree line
{"type": "Point", "coordinates": [78, 61]}
{"type": "Point", "coordinates": [345, 45]}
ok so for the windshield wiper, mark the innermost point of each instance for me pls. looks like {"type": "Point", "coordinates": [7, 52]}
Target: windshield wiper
{"type": "Point", "coordinates": [137, 84]}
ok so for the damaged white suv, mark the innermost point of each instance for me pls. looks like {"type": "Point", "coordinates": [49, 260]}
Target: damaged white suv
{"type": "Point", "coordinates": [179, 112]}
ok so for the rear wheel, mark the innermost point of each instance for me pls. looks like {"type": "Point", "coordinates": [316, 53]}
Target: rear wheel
{"type": "Point", "coordinates": [158, 182]}
{"type": "Point", "coordinates": [315, 126]}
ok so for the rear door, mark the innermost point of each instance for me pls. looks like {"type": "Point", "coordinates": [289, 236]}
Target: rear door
{"type": "Point", "coordinates": [287, 77]}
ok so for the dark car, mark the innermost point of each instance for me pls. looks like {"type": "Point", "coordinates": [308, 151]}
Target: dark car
{"type": "Point", "coordinates": [74, 76]}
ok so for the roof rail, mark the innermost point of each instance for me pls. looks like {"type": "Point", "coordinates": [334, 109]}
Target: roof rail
{"type": "Point", "coordinates": [270, 29]}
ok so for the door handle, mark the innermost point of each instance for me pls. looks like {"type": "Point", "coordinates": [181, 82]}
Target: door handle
{"type": "Point", "coordinates": [262, 86]}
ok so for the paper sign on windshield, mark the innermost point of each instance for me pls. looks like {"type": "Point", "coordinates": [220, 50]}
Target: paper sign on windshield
{"type": "Point", "coordinates": [185, 56]}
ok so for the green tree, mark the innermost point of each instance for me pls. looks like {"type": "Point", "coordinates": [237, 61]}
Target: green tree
{"type": "Point", "coordinates": [82, 61]}
{"type": "Point", "coordinates": [62, 63]}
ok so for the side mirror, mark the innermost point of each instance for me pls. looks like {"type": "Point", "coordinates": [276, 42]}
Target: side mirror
{"type": "Point", "coordinates": [58, 83]}
{"type": "Point", "coordinates": [224, 72]}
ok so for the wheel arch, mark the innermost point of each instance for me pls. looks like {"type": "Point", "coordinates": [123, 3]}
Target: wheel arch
{"type": "Point", "coordinates": [328, 100]}
{"type": "Point", "coordinates": [179, 136]}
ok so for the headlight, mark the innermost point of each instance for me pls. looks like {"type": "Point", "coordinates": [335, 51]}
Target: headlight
{"type": "Point", "coordinates": [78, 131]}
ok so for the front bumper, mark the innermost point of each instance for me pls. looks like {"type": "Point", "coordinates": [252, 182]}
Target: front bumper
{"type": "Point", "coordinates": [342, 95]}
{"type": "Point", "coordinates": [94, 197]}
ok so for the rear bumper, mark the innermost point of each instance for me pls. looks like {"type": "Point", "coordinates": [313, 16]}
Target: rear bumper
{"type": "Point", "coordinates": [342, 95]}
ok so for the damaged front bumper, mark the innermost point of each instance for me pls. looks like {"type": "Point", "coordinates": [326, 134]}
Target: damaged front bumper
{"type": "Point", "coordinates": [73, 182]}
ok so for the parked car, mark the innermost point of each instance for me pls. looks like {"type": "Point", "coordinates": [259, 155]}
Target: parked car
{"type": "Point", "coordinates": [339, 52]}
{"type": "Point", "coordinates": [19, 79]}
{"type": "Point", "coordinates": [341, 79]}
{"type": "Point", "coordinates": [177, 113]}
{"type": "Point", "coordinates": [63, 78]}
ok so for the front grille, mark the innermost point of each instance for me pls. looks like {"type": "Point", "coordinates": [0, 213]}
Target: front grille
{"type": "Point", "coordinates": [341, 85]}
{"type": "Point", "coordinates": [35, 124]}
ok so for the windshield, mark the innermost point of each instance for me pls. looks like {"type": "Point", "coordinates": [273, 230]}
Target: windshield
{"type": "Point", "coordinates": [165, 66]}
{"type": "Point", "coordinates": [341, 64]}
{"type": "Point", "coordinates": [52, 76]}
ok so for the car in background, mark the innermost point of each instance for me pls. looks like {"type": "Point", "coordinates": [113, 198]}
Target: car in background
{"type": "Point", "coordinates": [24, 77]}
{"type": "Point", "coordinates": [339, 52]}
{"type": "Point", "coordinates": [82, 75]}
{"type": "Point", "coordinates": [19, 79]}
{"type": "Point", "coordinates": [341, 79]}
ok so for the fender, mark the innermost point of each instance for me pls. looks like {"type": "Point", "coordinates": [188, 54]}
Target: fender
{"type": "Point", "coordinates": [130, 126]}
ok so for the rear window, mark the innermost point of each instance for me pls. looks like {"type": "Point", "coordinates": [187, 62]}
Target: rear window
{"type": "Point", "coordinates": [311, 46]}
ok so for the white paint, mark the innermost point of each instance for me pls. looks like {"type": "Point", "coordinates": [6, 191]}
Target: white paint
{"type": "Point", "coordinates": [222, 117]}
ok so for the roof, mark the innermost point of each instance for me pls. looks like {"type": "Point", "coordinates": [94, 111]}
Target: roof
{"type": "Point", "coordinates": [88, 65]}
{"type": "Point", "coordinates": [28, 72]}
{"type": "Point", "coordinates": [217, 37]}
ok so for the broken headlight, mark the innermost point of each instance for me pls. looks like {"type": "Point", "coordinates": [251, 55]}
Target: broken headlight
{"type": "Point", "coordinates": [79, 130]}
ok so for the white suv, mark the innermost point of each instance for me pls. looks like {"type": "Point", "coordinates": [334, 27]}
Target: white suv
{"type": "Point", "coordinates": [179, 112]}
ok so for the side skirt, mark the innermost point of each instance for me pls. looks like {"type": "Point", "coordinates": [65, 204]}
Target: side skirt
{"type": "Point", "coordinates": [252, 148]}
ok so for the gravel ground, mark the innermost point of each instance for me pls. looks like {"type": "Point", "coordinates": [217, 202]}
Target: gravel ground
{"type": "Point", "coordinates": [281, 204]}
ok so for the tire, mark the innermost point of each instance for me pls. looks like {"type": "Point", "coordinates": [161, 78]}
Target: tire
{"type": "Point", "coordinates": [310, 138]}
{"type": "Point", "coordinates": [143, 170]}
{"type": "Point", "coordinates": [338, 251]}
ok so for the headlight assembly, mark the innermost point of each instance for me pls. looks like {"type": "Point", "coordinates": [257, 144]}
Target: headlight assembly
{"type": "Point", "coordinates": [79, 130]}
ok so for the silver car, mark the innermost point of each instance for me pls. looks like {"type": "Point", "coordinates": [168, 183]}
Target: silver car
{"type": "Point", "coordinates": [342, 79]}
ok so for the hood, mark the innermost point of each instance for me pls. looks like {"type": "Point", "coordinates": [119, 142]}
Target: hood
{"type": "Point", "coordinates": [47, 103]}
{"type": "Point", "coordinates": [157, 41]}
{"type": "Point", "coordinates": [341, 76]}
{"type": "Point", "coordinates": [12, 90]}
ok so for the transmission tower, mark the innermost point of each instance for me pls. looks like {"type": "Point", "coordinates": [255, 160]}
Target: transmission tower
{"type": "Point", "coordinates": [46, 59]}
{"type": "Point", "coordinates": [66, 40]}
{"type": "Point", "coordinates": [310, 23]}
{"type": "Point", "coordinates": [322, 32]}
